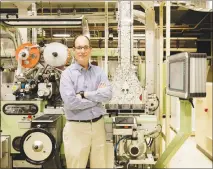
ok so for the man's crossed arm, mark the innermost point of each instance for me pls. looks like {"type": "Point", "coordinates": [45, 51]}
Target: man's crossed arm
{"type": "Point", "coordinates": [84, 100]}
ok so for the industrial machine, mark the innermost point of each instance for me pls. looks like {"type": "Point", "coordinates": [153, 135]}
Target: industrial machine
{"type": "Point", "coordinates": [34, 137]}
{"type": "Point", "coordinates": [35, 134]}
{"type": "Point", "coordinates": [31, 108]}
{"type": "Point", "coordinates": [34, 130]}
{"type": "Point", "coordinates": [131, 123]}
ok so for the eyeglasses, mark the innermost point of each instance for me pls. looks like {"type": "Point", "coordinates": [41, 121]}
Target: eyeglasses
{"type": "Point", "coordinates": [82, 47]}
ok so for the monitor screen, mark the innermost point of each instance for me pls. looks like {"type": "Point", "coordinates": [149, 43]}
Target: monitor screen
{"type": "Point", "coordinates": [177, 75]}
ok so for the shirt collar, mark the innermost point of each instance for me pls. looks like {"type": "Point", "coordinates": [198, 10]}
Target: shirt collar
{"type": "Point", "coordinates": [79, 67]}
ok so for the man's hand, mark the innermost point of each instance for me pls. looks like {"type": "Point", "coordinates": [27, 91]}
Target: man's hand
{"type": "Point", "coordinates": [101, 85]}
{"type": "Point", "coordinates": [80, 95]}
{"type": "Point", "coordinates": [83, 95]}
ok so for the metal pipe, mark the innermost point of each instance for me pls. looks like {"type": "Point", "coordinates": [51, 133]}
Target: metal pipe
{"type": "Point", "coordinates": [42, 13]}
{"type": "Point", "coordinates": [168, 99]}
{"type": "Point", "coordinates": [161, 92]}
{"type": "Point", "coordinates": [106, 38]}
{"type": "Point", "coordinates": [101, 28]}
{"type": "Point", "coordinates": [197, 23]}
{"type": "Point", "coordinates": [34, 30]}
{"type": "Point", "coordinates": [51, 31]}
{"type": "Point", "coordinates": [141, 38]}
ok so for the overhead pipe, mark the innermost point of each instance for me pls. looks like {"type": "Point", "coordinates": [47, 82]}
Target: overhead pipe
{"type": "Point", "coordinates": [139, 38]}
{"type": "Point", "coordinates": [101, 28]}
{"type": "Point", "coordinates": [139, 16]}
{"type": "Point", "coordinates": [197, 23]}
{"type": "Point", "coordinates": [196, 5]}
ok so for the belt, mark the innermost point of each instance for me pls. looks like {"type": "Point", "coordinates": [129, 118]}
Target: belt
{"type": "Point", "coordinates": [88, 121]}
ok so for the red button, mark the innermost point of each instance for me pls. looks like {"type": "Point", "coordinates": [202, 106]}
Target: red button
{"type": "Point", "coordinates": [141, 97]}
{"type": "Point", "coordinates": [206, 110]}
{"type": "Point", "coordinates": [29, 117]}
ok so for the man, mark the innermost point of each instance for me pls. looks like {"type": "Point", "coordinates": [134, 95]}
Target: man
{"type": "Point", "coordinates": [83, 88]}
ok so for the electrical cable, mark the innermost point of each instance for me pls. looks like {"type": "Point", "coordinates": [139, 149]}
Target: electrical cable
{"type": "Point", "coordinates": [158, 132]}
{"type": "Point", "coordinates": [116, 145]}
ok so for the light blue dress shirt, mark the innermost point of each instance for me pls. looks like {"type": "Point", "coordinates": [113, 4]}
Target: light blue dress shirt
{"type": "Point", "coordinates": [75, 79]}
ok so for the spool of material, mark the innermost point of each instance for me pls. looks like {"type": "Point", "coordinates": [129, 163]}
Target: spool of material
{"type": "Point", "coordinates": [29, 55]}
{"type": "Point", "coordinates": [56, 54]}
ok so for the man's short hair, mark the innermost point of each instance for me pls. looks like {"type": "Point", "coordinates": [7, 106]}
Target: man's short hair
{"type": "Point", "coordinates": [83, 36]}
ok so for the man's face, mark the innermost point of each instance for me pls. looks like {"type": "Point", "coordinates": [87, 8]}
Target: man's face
{"type": "Point", "coordinates": [82, 50]}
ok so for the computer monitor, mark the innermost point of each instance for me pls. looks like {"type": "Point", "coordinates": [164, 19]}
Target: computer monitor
{"type": "Point", "coordinates": [186, 75]}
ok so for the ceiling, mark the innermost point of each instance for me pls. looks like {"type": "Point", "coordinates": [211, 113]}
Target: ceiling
{"type": "Point", "coordinates": [185, 23]}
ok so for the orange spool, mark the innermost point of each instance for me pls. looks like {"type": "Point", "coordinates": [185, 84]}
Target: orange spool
{"type": "Point", "coordinates": [33, 55]}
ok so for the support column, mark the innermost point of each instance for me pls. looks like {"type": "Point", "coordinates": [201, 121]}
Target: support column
{"type": "Point", "coordinates": [168, 99]}
{"type": "Point", "coordinates": [161, 54]}
{"type": "Point", "coordinates": [106, 39]}
{"type": "Point", "coordinates": [99, 60]}
{"type": "Point", "coordinates": [22, 11]}
{"type": "Point", "coordinates": [180, 138]}
{"type": "Point", "coordinates": [150, 47]}
{"type": "Point", "coordinates": [34, 30]}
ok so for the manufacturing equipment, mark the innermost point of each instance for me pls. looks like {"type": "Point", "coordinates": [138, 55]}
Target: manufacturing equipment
{"type": "Point", "coordinates": [31, 107]}
{"type": "Point", "coordinates": [34, 133]}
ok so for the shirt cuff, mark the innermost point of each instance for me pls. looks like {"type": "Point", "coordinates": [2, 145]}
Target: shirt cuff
{"type": "Point", "coordinates": [90, 94]}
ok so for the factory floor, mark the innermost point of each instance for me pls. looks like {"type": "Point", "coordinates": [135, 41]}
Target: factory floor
{"type": "Point", "coordinates": [188, 156]}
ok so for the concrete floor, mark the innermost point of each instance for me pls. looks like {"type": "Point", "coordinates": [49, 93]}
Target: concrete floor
{"type": "Point", "coordinates": [188, 156]}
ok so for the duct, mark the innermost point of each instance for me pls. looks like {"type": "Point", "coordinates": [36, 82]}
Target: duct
{"type": "Point", "coordinates": [129, 92]}
{"type": "Point", "coordinates": [125, 32]}
{"type": "Point", "coordinates": [139, 16]}
{"type": "Point", "coordinates": [43, 21]}
{"type": "Point", "coordinates": [85, 27]}
{"type": "Point", "coordinates": [196, 5]}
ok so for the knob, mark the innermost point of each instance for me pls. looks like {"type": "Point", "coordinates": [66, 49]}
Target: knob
{"type": "Point", "coordinates": [55, 54]}
{"type": "Point", "coordinates": [23, 54]}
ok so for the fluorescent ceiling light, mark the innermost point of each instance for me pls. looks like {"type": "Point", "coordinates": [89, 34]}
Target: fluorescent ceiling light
{"type": "Point", "coordinates": [62, 35]}
{"type": "Point", "coordinates": [139, 35]}
{"type": "Point", "coordinates": [39, 21]}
